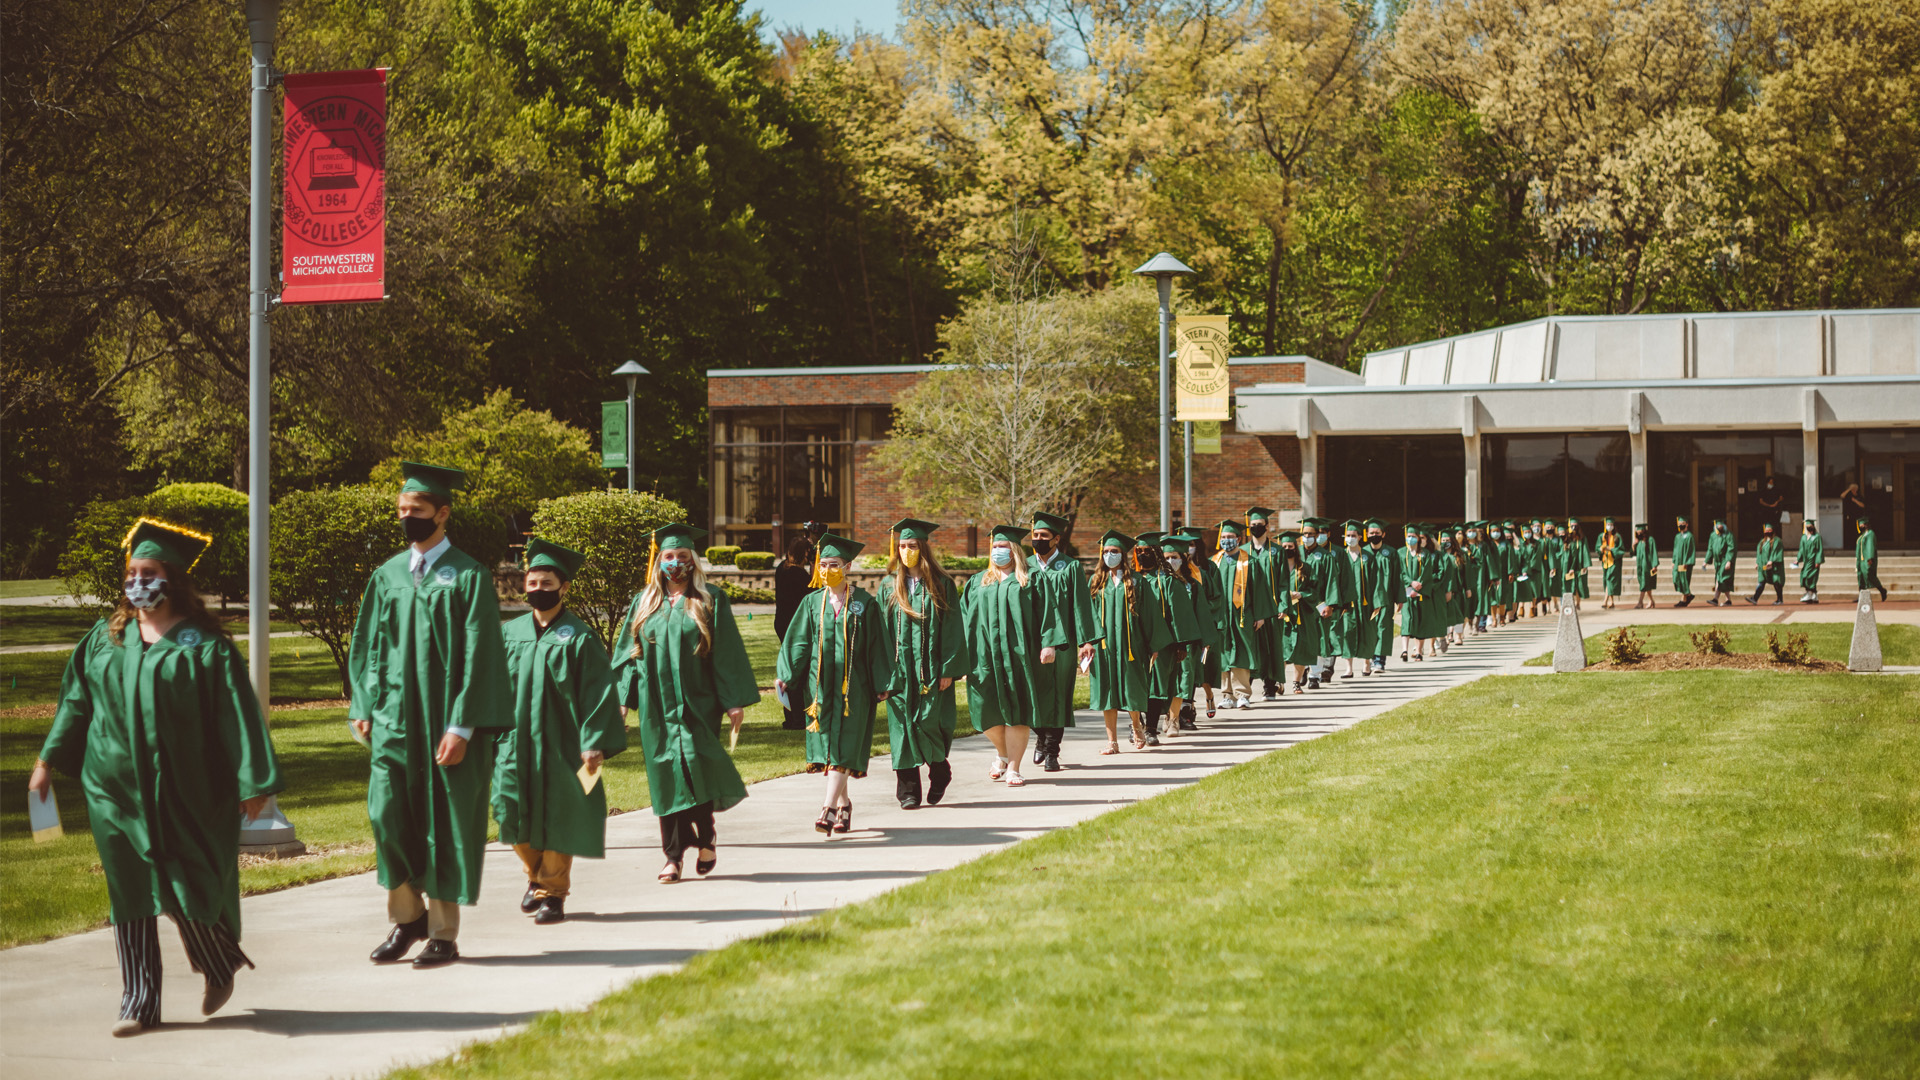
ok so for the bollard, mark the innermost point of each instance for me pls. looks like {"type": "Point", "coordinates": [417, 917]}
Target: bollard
{"type": "Point", "coordinates": [1569, 647]}
{"type": "Point", "coordinates": [1864, 654]}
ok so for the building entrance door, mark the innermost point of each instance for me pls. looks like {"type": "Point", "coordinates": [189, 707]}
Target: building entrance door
{"type": "Point", "coordinates": [1890, 486]}
{"type": "Point", "coordinates": [1731, 488]}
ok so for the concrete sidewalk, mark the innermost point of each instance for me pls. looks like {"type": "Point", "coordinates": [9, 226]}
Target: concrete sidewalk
{"type": "Point", "coordinates": [317, 1008]}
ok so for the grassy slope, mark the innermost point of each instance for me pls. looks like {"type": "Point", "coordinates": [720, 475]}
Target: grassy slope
{"type": "Point", "coordinates": [1713, 873]}
{"type": "Point", "coordinates": [50, 889]}
{"type": "Point", "coordinates": [1899, 643]}
{"type": "Point", "coordinates": [32, 587]}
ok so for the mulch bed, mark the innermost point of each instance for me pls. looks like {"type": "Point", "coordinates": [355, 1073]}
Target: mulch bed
{"type": "Point", "coordinates": [1687, 661]}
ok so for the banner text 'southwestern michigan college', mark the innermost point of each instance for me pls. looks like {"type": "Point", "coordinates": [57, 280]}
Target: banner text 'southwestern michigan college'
{"type": "Point", "coordinates": [334, 209]}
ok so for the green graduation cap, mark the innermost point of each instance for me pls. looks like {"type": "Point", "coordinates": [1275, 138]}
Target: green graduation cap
{"type": "Point", "coordinates": [545, 554]}
{"type": "Point", "coordinates": [151, 538]}
{"type": "Point", "coordinates": [835, 546]}
{"type": "Point", "coordinates": [435, 480]}
{"type": "Point", "coordinates": [1290, 536]}
{"type": "Point", "coordinates": [1231, 526]}
{"type": "Point", "coordinates": [1260, 513]}
{"type": "Point", "coordinates": [1049, 522]}
{"type": "Point", "coordinates": [1680, 519]}
{"type": "Point", "coordinates": [1012, 534]}
{"type": "Point", "coordinates": [1351, 526]}
{"type": "Point", "coordinates": [1573, 523]}
{"type": "Point", "coordinates": [1509, 524]}
{"type": "Point", "coordinates": [676, 535]}
{"type": "Point", "coordinates": [1639, 525]}
{"type": "Point", "coordinates": [1114, 538]}
{"type": "Point", "coordinates": [1376, 523]}
{"type": "Point", "coordinates": [1148, 539]}
{"type": "Point", "coordinates": [1174, 542]}
{"type": "Point", "coordinates": [914, 529]}
{"type": "Point", "coordinates": [1190, 534]}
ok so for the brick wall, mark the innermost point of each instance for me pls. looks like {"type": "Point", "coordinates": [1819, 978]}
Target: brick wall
{"type": "Point", "coordinates": [1250, 469]}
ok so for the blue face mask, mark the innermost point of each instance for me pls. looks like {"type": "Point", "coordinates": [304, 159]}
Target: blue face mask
{"type": "Point", "coordinates": [1002, 557]}
{"type": "Point", "coordinates": [1229, 543]}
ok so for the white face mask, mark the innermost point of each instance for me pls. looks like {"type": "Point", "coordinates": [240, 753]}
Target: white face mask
{"type": "Point", "coordinates": [1353, 541]}
{"type": "Point", "coordinates": [1111, 558]}
{"type": "Point", "coordinates": [1173, 562]}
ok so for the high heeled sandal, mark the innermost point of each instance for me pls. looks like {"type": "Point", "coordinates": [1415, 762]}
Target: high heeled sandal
{"type": "Point", "coordinates": [843, 819]}
{"type": "Point", "coordinates": [669, 875]}
{"type": "Point", "coordinates": [1113, 747]}
{"type": "Point", "coordinates": [703, 867]}
{"type": "Point", "coordinates": [824, 823]}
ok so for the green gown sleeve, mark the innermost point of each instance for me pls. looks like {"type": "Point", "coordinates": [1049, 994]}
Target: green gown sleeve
{"type": "Point", "coordinates": [360, 655]}
{"type": "Point", "coordinates": [879, 650]}
{"type": "Point", "coordinates": [597, 706]}
{"type": "Point", "coordinates": [65, 747]}
{"type": "Point", "coordinates": [484, 701]}
{"type": "Point", "coordinates": [953, 659]}
{"type": "Point", "coordinates": [732, 672]}
{"type": "Point", "coordinates": [241, 729]}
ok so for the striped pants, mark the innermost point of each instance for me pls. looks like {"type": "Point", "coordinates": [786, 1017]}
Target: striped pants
{"type": "Point", "coordinates": [211, 949]}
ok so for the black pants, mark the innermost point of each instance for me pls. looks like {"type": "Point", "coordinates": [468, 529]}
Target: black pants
{"type": "Point", "coordinates": [1762, 587]}
{"type": "Point", "coordinates": [211, 950]}
{"type": "Point", "coordinates": [907, 781]}
{"type": "Point", "coordinates": [689, 828]}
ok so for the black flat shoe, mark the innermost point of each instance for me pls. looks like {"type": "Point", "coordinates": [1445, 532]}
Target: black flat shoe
{"type": "Point", "coordinates": [1052, 763]}
{"type": "Point", "coordinates": [437, 954]}
{"type": "Point", "coordinates": [1188, 725]}
{"type": "Point", "coordinates": [939, 775]}
{"type": "Point", "coordinates": [529, 903]}
{"type": "Point", "coordinates": [703, 867]}
{"type": "Point", "coordinates": [402, 938]}
{"type": "Point", "coordinates": [552, 910]}
{"type": "Point", "coordinates": [844, 819]}
{"type": "Point", "coordinates": [215, 996]}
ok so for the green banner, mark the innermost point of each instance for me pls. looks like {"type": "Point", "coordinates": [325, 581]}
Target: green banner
{"type": "Point", "coordinates": [1206, 436]}
{"type": "Point", "coordinates": [613, 434]}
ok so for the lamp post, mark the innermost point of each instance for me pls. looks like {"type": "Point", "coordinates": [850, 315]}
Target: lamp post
{"type": "Point", "coordinates": [633, 372]}
{"type": "Point", "coordinates": [1163, 268]}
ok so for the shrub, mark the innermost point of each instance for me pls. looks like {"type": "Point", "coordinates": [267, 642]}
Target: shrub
{"type": "Point", "coordinates": [753, 560]}
{"type": "Point", "coordinates": [1710, 642]}
{"type": "Point", "coordinates": [327, 542]}
{"type": "Point", "coordinates": [475, 530]}
{"type": "Point", "coordinates": [722, 554]}
{"type": "Point", "coordinates": [870, 562]}
{"type": "Point", "coordinates": [1794, 649]}
{"type": "Point", "coordinates": [614, 530]}
{"type": "Point", "coordinates": [1625, 647]}
{"type": "Point", "coordinates": [94, 564]}
{"type": "Point", "coordinates": [968, 563]}
{"type": "Point", "coordinates": [514, 456]}
{"type": "Point", "coordinates": [740, 594]}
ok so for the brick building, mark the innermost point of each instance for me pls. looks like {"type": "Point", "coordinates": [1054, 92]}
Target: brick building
{"type": "Point", "coordinates": [797, 444]}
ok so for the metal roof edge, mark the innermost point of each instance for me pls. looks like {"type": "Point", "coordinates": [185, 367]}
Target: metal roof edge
{"type": "Point", "coordinates": [857, 369]}
{"type": "Point", "coordinates": [1812, 382]}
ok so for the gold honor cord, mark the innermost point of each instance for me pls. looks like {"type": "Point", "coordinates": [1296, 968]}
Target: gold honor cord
{"type": "Point", "coordinates": [820, 656]}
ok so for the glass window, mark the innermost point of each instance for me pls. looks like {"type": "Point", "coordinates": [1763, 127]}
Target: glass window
{"type": "Point", "coordinates": [1435, 468]}
{"type": "Point", "coordinates": [746, 425]}
{"type": "Point", "coordinates": [1394, 478]}
{"type": "Point", "coordinates": [1839, 458]}
{"type": "Point", "coordinates": [872, 424]}
{"type": "Point", "coordinates": [817, 425]}
{"type": "Point", "coordinates": [1524, 475]}
{"type": "Point", "coordinates": [745, 485]}
{"type": "Point", "coordinates": [1599, 476]}
{"type": "Point", "coordinates": [816, 484]}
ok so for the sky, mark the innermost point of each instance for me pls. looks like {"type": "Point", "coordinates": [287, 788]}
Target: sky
{"type": "Point", "coordinates": [875, 16]}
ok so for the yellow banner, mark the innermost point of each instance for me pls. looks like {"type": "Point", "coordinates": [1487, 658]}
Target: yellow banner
{"type": "Point", "coordinates": [1201, 388]}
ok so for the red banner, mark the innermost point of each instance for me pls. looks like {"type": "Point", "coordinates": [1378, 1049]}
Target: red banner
{"type": "Point", "coordinates": [334, 209]}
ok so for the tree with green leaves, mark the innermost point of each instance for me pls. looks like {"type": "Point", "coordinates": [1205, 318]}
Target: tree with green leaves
{"type": "Point", "coordinates": [614, 530]}
{"type": "Point", "coordinates": [514, 456]}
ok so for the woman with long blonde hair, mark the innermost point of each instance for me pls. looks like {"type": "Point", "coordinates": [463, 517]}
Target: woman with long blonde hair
{"type": "Point", "coordinates": [679, 665]}
{"type": "Point", "coordinates": [1131, 632]}
{"type": "Point", "coordinates": [1002, 620]}
{"type": "Point", "coordinates": [157, 715]}
{"type": "Point", "coordinates": [929, 653]}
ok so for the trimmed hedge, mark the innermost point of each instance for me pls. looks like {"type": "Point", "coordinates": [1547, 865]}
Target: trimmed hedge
{"type": "Point", "coordinates": [753, 560]}
{"type": "Point", "coordinates": [722, 554]}
{"type": "Point", "coordinates": [95, 565]}
{"type": "Point", "coordinates": [740, 594]}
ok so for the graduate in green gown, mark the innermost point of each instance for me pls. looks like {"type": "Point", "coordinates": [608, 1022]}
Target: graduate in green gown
{"type": "Point", "coordinates": [1770, 559]}
{"type": "Point", "coordinates": [922, 607]}
{"type": "Point", "coordinates": [1722, 554]}
{"type": "Point", "coordinates": [1552, 563]}
{"type": "Point", "coordinates": [161, 726]}
{"type": "Point", "coordinates": [1808, 560]}
{"type": "Point", "coordinates": [1646, 564]}
{"type": "Point", "coordinates": [1164, 569]}
{"type": "Point", "coordinates": [428, 673]}
{"type": "Point", "coordinates": [1453, 578]}
{"type": "Point", "coordinates": [1342, 596]}
{"type": "Point", "coordinates": [566, 718]}
{"type": "Point", "coordinates": [1425, 595]}
{"type": "Point", "coordinates": [1611, 551]}
{"type": "Point", "coordinates": [1270, 663]}
{"type": "Point", "coordinates": [1059, 585]}
{"type": "Point", "coordinates": [836, 666]}
{"type": "Point", "coordinates": [1683, 560]}
{"type": "Point", "coordinates": [1378, 594]}
{"type": "Point", "coordinates": [1866, 557]}
{"type": "Point", "coordinates": [1299, 639]}
{"type": "Point", "coordinates": [1499, 585]}
{"type": "Point", "coordinates": [679, 666]}
{"type": "Point", "coordinates": [1576, 557]}
{"type": "Point", "coordinates": [1201, 669]}
{"type": "Point", "coordinates": [1001, 617]}
{"type": "Point", "coordinates": [1130, 633]}
{"type": "Point", "coordinates": [1246, 607]}
{"type": "Point", "coordinates": [1312, 629]}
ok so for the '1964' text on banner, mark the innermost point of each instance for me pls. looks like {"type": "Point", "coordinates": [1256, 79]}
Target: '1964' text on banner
{"type": "Point", "coordinates": [334, 210]}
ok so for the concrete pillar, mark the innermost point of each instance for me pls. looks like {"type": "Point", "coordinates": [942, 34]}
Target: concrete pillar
{"type": "Point", "coordinates": [1638, 440]}
{"type": "Point", "coordinates": [1810, 455]}
{"type": "Point", "coordinates": [1310, 476]}
{"type": "Point", "coordinates": [1472, 501]}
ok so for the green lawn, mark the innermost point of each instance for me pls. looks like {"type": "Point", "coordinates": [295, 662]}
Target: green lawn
{"type": "Point", "coordinates": [1899, 642]}
{"type": "Point", "coordinates": [52, 889]}
{"type": "Point", "coordinates": [32, 587]}
{"type": "Point", "coordinates": [1711, 874]}
{"type": "Point", "coordinates": [25, 625]}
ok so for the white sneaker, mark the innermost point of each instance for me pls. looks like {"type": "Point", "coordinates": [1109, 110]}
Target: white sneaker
{"type": "Point", "coordinates": [1246, 702]}
{"type": "Point", "coordinates": [999, 768]}
{"type": "Point", "coordinates": [1014, 779]}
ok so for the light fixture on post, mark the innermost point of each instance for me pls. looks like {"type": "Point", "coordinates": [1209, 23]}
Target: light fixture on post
{"type": "Point", "coordinates": [633, 372]}
{"type": "Point", "coordinates": [1163, 268]}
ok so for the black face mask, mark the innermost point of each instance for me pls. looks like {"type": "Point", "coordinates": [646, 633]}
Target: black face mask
{"type": "Point", "coordinates": [1292, 554]}
{"type": "Point", "coordinates": [1376, 539]}
{"type": "Point", "coordinates": [1258, 528]}
{"type": "Point", "coordinates": [543, 600]}
{"type": "Point", "coordinates": [418, 529]}
{"type": "Point", "coordinates": [1042, 545]}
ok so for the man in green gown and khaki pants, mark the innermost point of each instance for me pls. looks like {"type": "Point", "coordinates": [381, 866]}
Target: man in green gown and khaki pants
{"type": "Point", "coordinates": [428, 674]}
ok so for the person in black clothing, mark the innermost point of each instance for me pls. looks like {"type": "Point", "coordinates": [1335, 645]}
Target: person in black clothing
{"type": "Point", "coordinates": [790, 581]}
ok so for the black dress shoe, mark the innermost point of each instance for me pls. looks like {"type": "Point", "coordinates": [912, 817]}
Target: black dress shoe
{"type": "Point", "coordinates": [1052, 764]}
{"type": "Point", "coordinates": [399, 941]}
{"type": "Point", "coordinates": [906, 788]}
{"type": "Point", "coordinates": [439, 953]}
{"type": "Point", "coordinates": [1188, 725]}
{"type": "Point", "coordinates": [1040, 747]}
{"type": "Point", "coordinates": [529, 903]}
{"type": "Point", "coordinates": [939, 775]}
{"type": "Point", "coordinates": [552, 910]}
